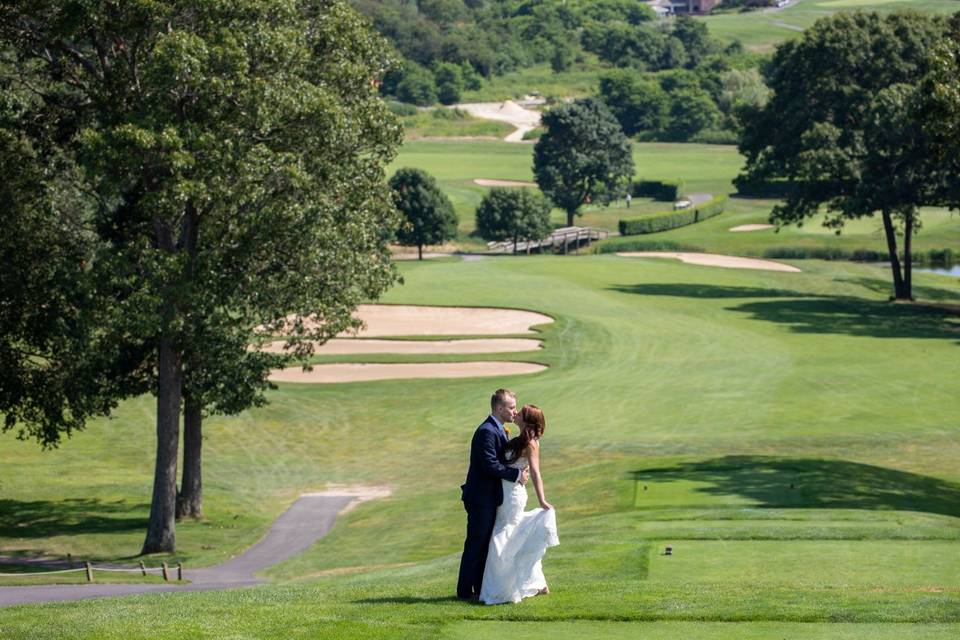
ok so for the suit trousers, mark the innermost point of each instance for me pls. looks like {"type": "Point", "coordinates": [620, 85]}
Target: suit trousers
{"type": "Point", "coordinates": [480, 521]}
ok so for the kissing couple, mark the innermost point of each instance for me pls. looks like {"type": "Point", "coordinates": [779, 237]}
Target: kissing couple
{"type": "Point", "coordinates": [504, 547]}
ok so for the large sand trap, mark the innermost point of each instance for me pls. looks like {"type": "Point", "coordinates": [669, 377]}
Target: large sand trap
{"type": "Point", "coordinates": [751, 227]}
{"type": "Point", "coordinates": [333, 373]}
{"type": "Point", "coordinates": [484, 182]}
{"type": "Point", "coordinates": [410, 320]}
{"type": "Point", "coordinates": [510, 112]}
{"type": "Point", "coordinates": [714, 260]}
{"type": "Point", "coordinates": [343, 346]}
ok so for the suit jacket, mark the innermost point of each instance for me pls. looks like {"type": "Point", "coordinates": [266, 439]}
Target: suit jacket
{"type": "Point", "coordinates": [483, 487]}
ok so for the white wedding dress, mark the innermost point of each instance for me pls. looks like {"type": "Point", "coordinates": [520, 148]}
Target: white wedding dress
{"type": "Point", "coordinates": [520, 538]}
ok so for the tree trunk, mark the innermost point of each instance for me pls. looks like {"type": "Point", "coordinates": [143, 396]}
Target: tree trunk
{"type": "Point", "coordinates": [516, 240]}
{"type": "Point", "coordinates": [190, 498]}
{"type": "Point", "coordinates": [570, 215]}
{"type": "Point", "coordinates": [898, 290]}
{"type": "Point", "coordinates": [419, 252]}
{"type": "Point", "coordinates": [908, 256]}
{"type": "Point", "coordinates": [161, 533]}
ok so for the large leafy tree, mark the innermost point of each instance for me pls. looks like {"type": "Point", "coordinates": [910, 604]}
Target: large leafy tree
{"type": "Point", "coordinates": [582, 156]}
{"type": "Point", "coordinates": [233, 156]}
{"type": "Point", "coordinates": [837, 129]}
{"type": "Point", "coordinates": [427, 213]}
{"type": "Point", "coordinates": [513, 214]}
{"type": "Point", "coordinates": [937, 109]}
{"type": "Point", "coordinates": [59, 368]}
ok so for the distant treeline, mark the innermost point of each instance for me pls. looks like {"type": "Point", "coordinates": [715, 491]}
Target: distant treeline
{"type": "Point", "coordinates": [665, 79]}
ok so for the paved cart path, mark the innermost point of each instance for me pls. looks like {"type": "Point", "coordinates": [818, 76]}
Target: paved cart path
{"type": "Point", "coordinates": [306, 521]}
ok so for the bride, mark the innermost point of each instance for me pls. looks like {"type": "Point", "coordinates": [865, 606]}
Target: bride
{"type": "Point", "coordinates": [520, 538]}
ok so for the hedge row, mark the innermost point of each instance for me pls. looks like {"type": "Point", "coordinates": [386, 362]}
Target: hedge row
{"type": "Point", "coordinates": [664, 190]}
{"type": "Point", "coordinates": [672, 219]}
{"type": "Point", "coordinates": [747, 188]}
{"type": "Point", "coordinates": [613, 245]}
{"type": "Point", "coordinates": [935, 257]}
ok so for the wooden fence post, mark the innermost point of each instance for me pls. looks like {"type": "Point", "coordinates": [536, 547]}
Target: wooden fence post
{"type": "Point", "coordinates": [143, 569]}
{"type": "Point", "coordinates": [89, 572]}
{"type": "Point", "coordinates": [179, 571]}
{"type": "Point", "coordinates": [166, 576]}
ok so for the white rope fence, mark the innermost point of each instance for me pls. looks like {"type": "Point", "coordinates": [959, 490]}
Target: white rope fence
{"type": "Point", "coordinates": [89, 568]}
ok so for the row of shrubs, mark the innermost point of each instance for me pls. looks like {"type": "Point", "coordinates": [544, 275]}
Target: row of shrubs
{"type": "Point", "coordinates": [615, 245]}
{"type": "Point", "coordinates": [665, 190]}
{"type": "Point", "coordinates": [672, 219]}
{"type": "Point", "coordinates": [936, 257]}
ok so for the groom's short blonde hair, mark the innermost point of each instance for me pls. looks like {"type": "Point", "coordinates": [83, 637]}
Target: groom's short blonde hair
{"type": "Point", "coordinates": [500, 396]}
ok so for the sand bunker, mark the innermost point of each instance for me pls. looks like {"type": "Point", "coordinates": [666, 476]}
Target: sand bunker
{"type": "Point", "coordinates": [484, 182]}
{"type": "Point", "coordinates": [334, 373]}
{"type": "Point", "coordinates": [344, 346]}
{"type": "Point", "coordinates": [510, 112]}
{"type": "Point", "coordinates": [714, 260]}
{"type": "Point", "coordinates": [751, 227]}
{"type": "Point", "coordinates": [410, 320]}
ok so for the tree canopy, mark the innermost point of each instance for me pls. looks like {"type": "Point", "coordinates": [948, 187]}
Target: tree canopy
{"type": "Point", "coordinates": [427, 213]}
{"type": "Point", "coordinates": [837, 126]}
{"type": "Point", "coordinates": [513, 214]}
{"type": "Point", "coordinates": [938, 109]}
{"type": "Point", "coordinates": [232, 156]}
{"type": "Point", "coordinates": [582, 156]}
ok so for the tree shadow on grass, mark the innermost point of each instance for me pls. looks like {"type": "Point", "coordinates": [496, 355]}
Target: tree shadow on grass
{"type": "Point", "coordinates": [45, 518]}
{"type": "Point", "coordinates": [857, 317]}
{"type": "Point", "coordinates": [807, 313]}
{"type": "Point", "coordinates": [801, 483]}
{"type": "Point", "coordinates": [693, 290]}
{"type": "Point", "coordinates": [884, 287]}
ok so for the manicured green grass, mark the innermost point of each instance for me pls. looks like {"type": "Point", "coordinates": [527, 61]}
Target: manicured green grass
{"type": "Point", "coordinates": [762, 30]}
{"type": "Point", "coordinates": [795, 433]}
{"type": "Point", "coordinates": [703, 168]}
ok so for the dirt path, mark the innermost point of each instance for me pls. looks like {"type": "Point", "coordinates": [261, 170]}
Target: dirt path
{"type": "Point", "coordinates": [306, 521]}
{"type": "Point", "coordinates": [510, 112]}
{"type": "Point", "coordinates": [697, 199]}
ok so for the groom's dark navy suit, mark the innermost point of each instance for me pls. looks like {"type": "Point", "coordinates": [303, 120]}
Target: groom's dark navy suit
{"type": "Point", "coordinates": [482, 494]}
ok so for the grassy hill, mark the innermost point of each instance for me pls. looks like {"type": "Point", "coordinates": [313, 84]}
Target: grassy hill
{"type": "Point", "coordinates": [762, 30]}
{"type": "Point", "coordinates": [792, 436]}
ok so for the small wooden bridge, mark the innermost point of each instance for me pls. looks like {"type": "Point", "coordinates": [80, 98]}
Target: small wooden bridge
{"type": "Point", "coordinates": [559, 241]}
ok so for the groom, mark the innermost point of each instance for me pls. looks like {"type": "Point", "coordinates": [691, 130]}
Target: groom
{"type": "Point", "coordinates": [483, 492]}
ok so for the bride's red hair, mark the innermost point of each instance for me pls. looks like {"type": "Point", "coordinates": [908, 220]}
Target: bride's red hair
{"type": "Point", "coordinates": [534, 424]}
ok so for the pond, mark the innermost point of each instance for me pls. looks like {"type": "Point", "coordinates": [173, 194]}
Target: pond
{"type": "Point", "coordinates": [945, 271]}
